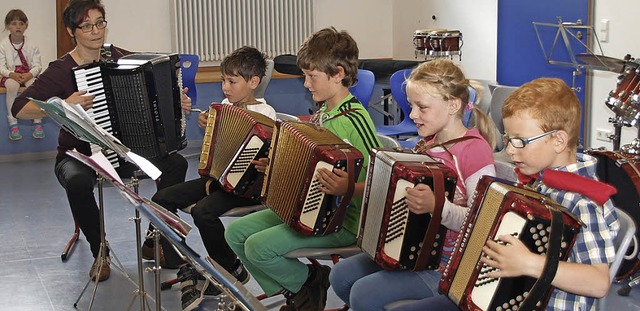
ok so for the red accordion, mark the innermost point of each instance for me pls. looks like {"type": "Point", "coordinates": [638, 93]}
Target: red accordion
{"type": "Point", "coordinates": [501, 208]}
{"type": "Point", "coordinates": [389, 233]}
{"type": "Point", "coordinates": [290, 189]}
{"type": "Point", "coordinates": [233, 138]}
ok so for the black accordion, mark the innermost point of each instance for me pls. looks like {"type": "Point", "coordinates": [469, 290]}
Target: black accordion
{"type": "Point", "coordinates": [290, 189]}
{"type": "Point", "coordinates": [502, 208]}
{"type": "Point", "coordinates": [393, 236]}
{"type": "Point", "coordinates": [138, 100]}
{"type": "Point", "coordinates": [233, 138]}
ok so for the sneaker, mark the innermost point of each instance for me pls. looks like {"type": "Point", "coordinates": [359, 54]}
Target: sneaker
{"type": "Point", "coordinates": [38, 131]}
{"type": "Point", "coordinates": [149, 253]}
{"type": "Point", "coordinates": [313, 293]}
{"type": "Point", "coordinates": [195, 288]}
{"type": "Point", "coordinates": [14, 132]}
{"type": "Point", "coordinates": [102, 271]}
{"type": "Point", "coordinates": [240, 272]}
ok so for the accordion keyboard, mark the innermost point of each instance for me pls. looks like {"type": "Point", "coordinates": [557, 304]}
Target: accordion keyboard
{"type": "Point", "coordinates": [240, 166]}
{"type": "Point", "coordinates": [314, 198]}
{"type": "Point", "coordinates": [485, 288]}
{"type": "Point", "coordinates": [90, 79]}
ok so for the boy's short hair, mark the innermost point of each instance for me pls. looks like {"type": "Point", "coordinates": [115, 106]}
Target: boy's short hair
{"type": "Point", "coordinates": [246, 62]}
{"type": "Point", "coordinates": [15, 14]}
{"type": "Point", "coordinates": [327, 49]}
{"type": "Point", "coordinates": [551, 102]}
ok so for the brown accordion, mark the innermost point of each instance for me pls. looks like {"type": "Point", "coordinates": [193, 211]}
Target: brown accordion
{"type": "Point", "coordinates": [502, 208]}
{"type": "Point", "coordinates": [391, 234]}
{"type": "Point", "coordinates": [233, 138]}
{"type": "Point", "coordinates": [290, 189]}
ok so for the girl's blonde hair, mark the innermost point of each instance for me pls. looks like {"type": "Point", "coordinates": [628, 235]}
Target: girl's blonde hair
{"type": "Point", "coordinates": [450, 83]}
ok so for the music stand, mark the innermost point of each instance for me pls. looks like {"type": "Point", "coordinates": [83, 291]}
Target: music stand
{"type": "Point", "coordinates": [75, 120]}
{"type": "Point", "coordinates": [567, 33]}
{"type": "Point", "coordinates": [175, 230]}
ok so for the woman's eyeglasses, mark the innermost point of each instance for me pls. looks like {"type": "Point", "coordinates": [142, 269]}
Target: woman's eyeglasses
{"type": "Point", "coordinates": [89, 27]}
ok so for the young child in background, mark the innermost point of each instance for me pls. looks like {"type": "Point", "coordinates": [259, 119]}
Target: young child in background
{"type": "Point", "coordinates": [242, 71]}
{"type": "Point", "coordinates": [20, 64]}
{"type": "Point", "coordinates": [542, 126]}
{"type": "Point", "coordinates": [329, 60]}
{"type": "Point", "coordinates": [85, 22]}
{"type": "Point", "coordinates": [439, 96]}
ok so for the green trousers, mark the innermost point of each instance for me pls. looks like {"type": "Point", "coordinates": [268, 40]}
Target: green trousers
{"type": "Point", "coordinates": [261, 240]}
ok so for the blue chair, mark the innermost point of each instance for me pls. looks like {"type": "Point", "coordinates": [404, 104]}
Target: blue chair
{"type": "Point", "coordinates": [189, 66]}
{"type": "Point", "coordinates": [399, 94]}
{"type": "Point", "coordinates": [363, 89]}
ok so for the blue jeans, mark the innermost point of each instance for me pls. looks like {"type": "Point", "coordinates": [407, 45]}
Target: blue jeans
{"type": "Point", "coordinates": [365, 286]}
{"type": "Point", "coordinates": [435, 303]}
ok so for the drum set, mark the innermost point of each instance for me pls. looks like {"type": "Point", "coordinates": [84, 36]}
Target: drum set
{"type": "Point", "coordinates": [434, 43]}
{"type": "Point", "coordinates": [621, 167]}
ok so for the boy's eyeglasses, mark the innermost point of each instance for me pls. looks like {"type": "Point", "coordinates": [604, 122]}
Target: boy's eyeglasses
{"type": "Point", "coordinates": [519, 143]}
{"type": "Point", "coordinates": [89, 27]}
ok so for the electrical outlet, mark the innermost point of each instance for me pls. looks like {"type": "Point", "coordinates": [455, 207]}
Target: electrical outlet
{"type": "Point", "coordinates": [603, 135]}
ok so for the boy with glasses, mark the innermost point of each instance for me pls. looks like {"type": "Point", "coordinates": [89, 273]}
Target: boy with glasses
{"type": "Point", "coordinates": [542, 123]}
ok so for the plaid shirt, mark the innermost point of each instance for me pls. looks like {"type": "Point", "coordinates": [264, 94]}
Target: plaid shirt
{"type": "Point", "coordinates": [594, 244]}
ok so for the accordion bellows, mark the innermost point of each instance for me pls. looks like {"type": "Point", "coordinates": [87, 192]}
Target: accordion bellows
{"type": "Point", "coordinates": [291, 186]}
{"type": "Point", "coordinates": [389, 233]}
{"type": "Point", "coordinates": [232, 139]}
{"type": "Point", "coordinates": [502, 208]}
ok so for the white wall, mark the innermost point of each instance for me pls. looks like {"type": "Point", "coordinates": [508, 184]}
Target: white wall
{"type": "Point", "coordinates": [622, 40]}
{"type": "Point", "coordinates": [477, 22]}
{"type": "Point", "coordinates": [382, 28]}
{"type": "Point", "coordinates": [367, 21]}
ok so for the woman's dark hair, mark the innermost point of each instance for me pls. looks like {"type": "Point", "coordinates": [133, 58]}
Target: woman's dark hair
{"type": "Point", "coordinates": [76, 11]}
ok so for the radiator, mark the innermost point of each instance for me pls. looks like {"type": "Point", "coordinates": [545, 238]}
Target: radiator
{"type": "Point", "coordinates": [212, 29]}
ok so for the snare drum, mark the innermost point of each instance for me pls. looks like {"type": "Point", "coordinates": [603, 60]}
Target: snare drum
{"type": "Point", "coordinates": [623, 172]}
{"type": "Point", "coordinates": [624, 101]}
{"type": "Point", "coordinates": [445, 43]}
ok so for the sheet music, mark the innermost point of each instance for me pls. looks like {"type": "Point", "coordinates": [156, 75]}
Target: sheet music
{"type": "Point", "coordinates": [74, 119]}
{"type": "Point", "coordinates": [99, 163]}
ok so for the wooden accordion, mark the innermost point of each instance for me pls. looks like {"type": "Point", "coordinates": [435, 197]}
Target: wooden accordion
{"type": "Point", "coordinates": [393, 236]}
{"type": "Point", "coordinates": [233, 138]}
{"type": "Point", "coordinates": [138, 100]}
{"type": "Point", "coordinates": [501, 208]}
{"type": "Point", "coordinates": [298, 151]}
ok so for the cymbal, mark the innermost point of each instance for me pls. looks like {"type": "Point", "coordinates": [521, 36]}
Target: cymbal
{"type": "Point", "coordinates": [602, 62]}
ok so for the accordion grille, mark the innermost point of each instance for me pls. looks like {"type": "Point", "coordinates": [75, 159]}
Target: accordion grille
{"type": "Point", "coordinates": [481, 229]}
{"type": "Point", "coordinates": [133, 113]}
{"type": "Point", "coordinates": [379, 181]}
{"type": "Point", "coordinates": [296, 143]}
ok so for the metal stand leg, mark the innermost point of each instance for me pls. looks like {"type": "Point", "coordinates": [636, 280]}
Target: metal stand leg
{"type": "Point", "coordinates": [140, 291]}
{"type": "Point", "coordinates": [102, 255]}
{"type": "Point", "coordinates": [156, 266]}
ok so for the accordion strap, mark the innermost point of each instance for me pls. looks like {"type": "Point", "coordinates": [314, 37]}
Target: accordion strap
{"type": "Point", "coordinates": [337, 218]}
{"type": "Point", "coordinates": [436, 218]}
{"type": "Point", "coordinates": [552, 260]}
